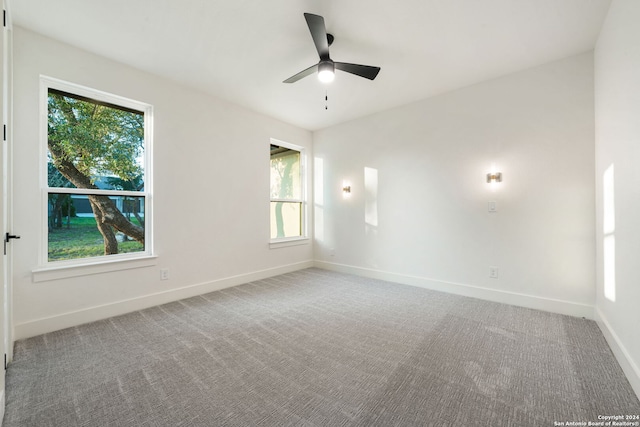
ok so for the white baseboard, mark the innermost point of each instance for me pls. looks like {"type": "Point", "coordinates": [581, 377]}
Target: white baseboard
{"type": "Point", "coordinates": [629, 367]}
{"type": "Point", "coordinates": [2, 405]}
{"type": "Point", "coordinates": [513, 298]}
{"type": "Point", "coordinates": [91, 314]}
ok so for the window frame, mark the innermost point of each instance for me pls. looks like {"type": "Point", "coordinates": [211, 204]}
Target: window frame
{"type": "Point", "coordinates": [99, 96]}
{"type": "Point", "coordinates": [304, 237]}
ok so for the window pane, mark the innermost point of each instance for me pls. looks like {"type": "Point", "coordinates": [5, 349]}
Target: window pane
{"type": "Point", "coordinates": [93, 144]}
{"type": "Point", "coordinates": [286, 181]}
{"type": "Point", "coordinates": [286, 219]}
{"type": "Point", "coordinates": [74, 232]}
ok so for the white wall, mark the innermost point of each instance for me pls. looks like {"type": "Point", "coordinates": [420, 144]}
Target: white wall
{"type": "Point", "coordinates": [211, 198]}
{"type": "Point", "coordinates": [426, 223]}
{"type": "Point", "coordinates": [617, 107]}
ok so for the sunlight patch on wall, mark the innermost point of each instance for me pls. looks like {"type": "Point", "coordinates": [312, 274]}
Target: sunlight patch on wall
{"type": "Point", "coordinates": [609, 228]}
{"type": "Point", "coordinates": [610, 267]}
{"type": "Point", "coordinates": [371, 196]}
{"type": "Point", "coordinates": [609, 217]}
{"type": "Point", "coordinates": [318, 197]}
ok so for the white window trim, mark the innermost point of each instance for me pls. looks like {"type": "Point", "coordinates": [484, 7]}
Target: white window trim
{"type": "Point", "coordinates": [108, 265]}
{"type": "Point", "coordinates": [304, 238]}
{"type": "Point", "coordinates": [285, 242]}
{"type": "Point", "coordinates": [51, 270]}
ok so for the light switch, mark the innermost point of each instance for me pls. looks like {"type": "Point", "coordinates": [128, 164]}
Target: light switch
{"type": "Point", "coordinates": [493, 207]}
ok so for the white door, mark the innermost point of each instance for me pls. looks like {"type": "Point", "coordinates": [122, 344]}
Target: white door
{"type": "Point", "coordinates": [5, 72]}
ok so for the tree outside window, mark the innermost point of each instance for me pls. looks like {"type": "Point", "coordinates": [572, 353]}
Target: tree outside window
{"type": "Point", "coordinates": [287, 204]}
{"type": "Point", "coordinates": [95, 177]}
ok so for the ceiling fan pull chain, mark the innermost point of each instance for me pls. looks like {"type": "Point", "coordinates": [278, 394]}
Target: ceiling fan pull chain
{"type": "Point", "coordinates": [326, 99]}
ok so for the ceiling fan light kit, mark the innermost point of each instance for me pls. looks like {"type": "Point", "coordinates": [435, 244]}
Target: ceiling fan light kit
{"type": "Point", "coordinates": [326, 66]}
{"type": "Point", "coordinates": [326, 71]}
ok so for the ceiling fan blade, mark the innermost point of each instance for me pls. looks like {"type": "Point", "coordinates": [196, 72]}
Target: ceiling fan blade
{"type": "Point", "coordinates": [366, 71]}
{"type": "Point", "coordinates": [318, 33]}
{"type": "Point", "coordinates": [302, 74]}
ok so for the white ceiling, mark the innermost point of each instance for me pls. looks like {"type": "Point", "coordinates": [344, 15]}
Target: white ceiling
{"type": "Point", "coordinates": [242, 50]}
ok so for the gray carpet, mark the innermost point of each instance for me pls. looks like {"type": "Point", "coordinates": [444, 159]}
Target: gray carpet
{"type": "Point", "coordinates": [317, 348]}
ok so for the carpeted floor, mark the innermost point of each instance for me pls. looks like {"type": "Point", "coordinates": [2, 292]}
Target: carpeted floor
{"type": "Point", "coordinates": [317, 348]}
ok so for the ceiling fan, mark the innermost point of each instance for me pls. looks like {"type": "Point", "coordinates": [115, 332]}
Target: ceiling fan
{"type": "Point", "coordinates": [326, 67]}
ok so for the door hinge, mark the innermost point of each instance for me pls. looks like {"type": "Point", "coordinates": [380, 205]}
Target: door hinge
{"type": "Point", "coordinates": [4, 132]}
{"type": "Point", "coordinates": [4, 17]}
{"type": "Point", "coordinates": [5, 361]}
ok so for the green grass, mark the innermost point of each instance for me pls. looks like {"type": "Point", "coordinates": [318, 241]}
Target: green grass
{"type": "Point", "coordinates": [83, 240]}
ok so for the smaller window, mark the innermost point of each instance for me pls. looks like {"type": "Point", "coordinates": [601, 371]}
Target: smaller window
{"type": "Point", "coordinates": [287, 191]}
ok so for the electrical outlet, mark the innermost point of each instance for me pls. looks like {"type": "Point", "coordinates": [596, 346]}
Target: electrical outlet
{"type": "Point", "coordinates": [164, 274]}
{"type": "Point", "coordinates": [493, 272]}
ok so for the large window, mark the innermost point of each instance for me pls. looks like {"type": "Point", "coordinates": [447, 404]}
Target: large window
{"type": "Point", "coordinates": [97, 174]}
{"type": "Point", "coordinates": [287, 191]}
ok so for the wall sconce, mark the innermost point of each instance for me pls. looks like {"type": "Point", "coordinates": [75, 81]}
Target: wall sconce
{"type": "Point", "coordinates": [494, 177]}
{"type": "Point", "coordinates": [346, 189]}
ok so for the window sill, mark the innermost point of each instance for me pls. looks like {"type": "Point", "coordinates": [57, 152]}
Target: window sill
{"type": "Point", "coordinates": [57, 272]}
{"type": "Point", "coordinates": [292, 241]}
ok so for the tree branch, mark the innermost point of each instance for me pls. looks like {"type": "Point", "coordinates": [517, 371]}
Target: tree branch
{"type": "Point", "coordinates": [110, 213]}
